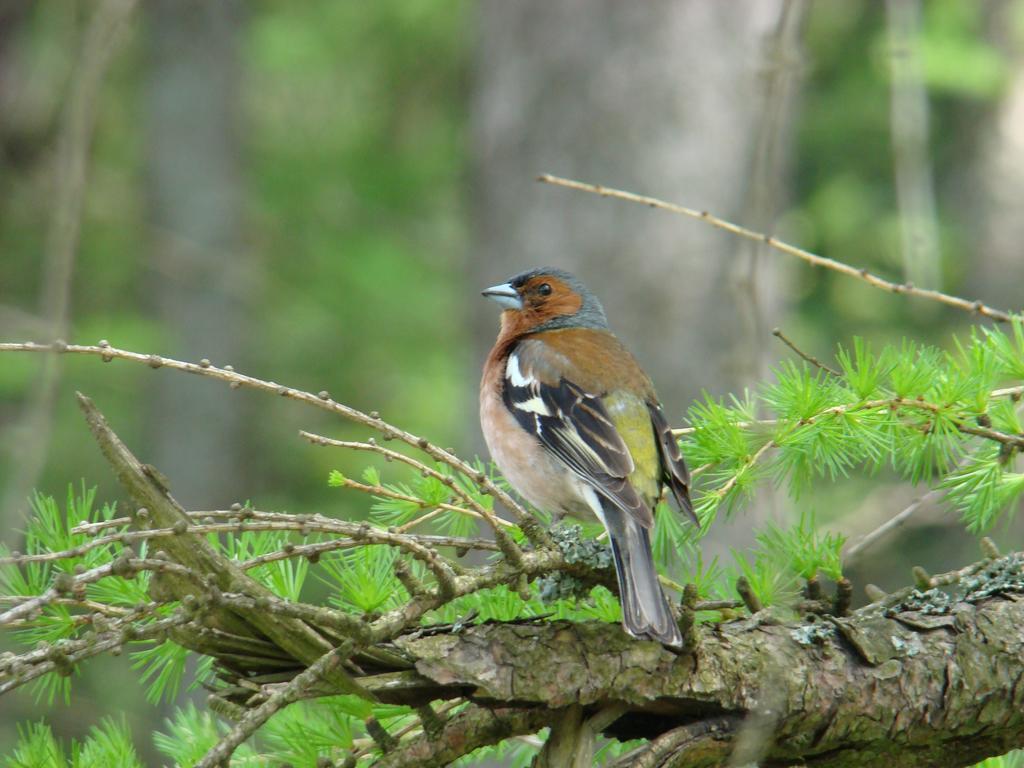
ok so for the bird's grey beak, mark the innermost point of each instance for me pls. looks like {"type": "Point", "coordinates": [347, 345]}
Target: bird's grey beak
{"type": "Point", "coordinates": [505, 295]}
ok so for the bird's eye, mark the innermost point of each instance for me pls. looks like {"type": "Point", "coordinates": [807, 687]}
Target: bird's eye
{"type": "Point", "coordinates": [544, 289]}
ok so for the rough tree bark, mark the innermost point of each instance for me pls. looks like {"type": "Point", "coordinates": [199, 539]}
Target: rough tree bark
{"type": "Point", "coordinates": [913, 688]}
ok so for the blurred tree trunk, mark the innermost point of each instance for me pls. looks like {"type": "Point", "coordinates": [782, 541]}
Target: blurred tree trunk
{"type": "Point", "coordinates": [12, 18]}
{"type": "Point", "coordinates": [196, 286]}
{"type": "Point", "coordinates": [658, 98]}
{"type": "Point", "coordinates": [997, 271]}
{"type": "Point", "coordinates": [685, 100]}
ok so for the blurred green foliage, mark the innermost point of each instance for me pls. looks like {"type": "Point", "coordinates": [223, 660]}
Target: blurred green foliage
{"type": "Point", "coordinates": [844, 194]}
{"type": "Point", "coordinates": [352, 123]}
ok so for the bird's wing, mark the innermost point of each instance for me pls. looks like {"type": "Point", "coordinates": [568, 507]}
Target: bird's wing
{"type": "Point", "coordinates": [674, 472]}
{"type": "Point", "coordinates": [571, 423]}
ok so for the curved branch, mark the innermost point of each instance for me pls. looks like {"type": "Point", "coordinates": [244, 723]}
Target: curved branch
{"type": "Point", "coordinates": [813, 259]}
{"type": "Point", "coordinates": [472, 728]}
{"type": "Point", "coordinates": [712, 738]}
{"type": "Point", "coordinates": [526, 521]}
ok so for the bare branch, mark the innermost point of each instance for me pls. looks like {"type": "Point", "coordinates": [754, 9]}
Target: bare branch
{"type": "Point", "coordinates": [359, 534]}
{"type": "Point", "coordinates": [526, 521]}
{"type": "Point", "coordinates": [777, 333]}
{"type": "Point", "coordinates": [854, 551]}
{"type": "Point", "coordinates": [18, 670]}
{"type": "Point", "coordinates": [123, 566]}
{"type": "Point", "coordinates": [472, 728]}
{"type": "Point", "coordinates": [325, 667]}
{"type": "Point", "coordinates": [146, 488]}
{"type": "Point", "coordinates": [813, 259]}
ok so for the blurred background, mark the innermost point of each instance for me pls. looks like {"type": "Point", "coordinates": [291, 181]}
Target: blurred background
{"type": "Point", "coordinates": [316, 192]}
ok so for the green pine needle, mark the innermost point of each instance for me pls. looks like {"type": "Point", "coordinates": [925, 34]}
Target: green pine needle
{"type": "Point", "coordinates": [107, 745]}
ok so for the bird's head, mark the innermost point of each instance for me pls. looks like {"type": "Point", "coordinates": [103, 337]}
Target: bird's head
{"type": "Point", "coordinates": [544, 299]}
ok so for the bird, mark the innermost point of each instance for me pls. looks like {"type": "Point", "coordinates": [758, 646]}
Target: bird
{"type": "Point", "coordinates": [575, 426]}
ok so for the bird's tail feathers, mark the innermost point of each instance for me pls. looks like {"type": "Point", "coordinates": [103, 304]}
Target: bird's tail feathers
{"type": "Point", "coordinates": [646, 613]}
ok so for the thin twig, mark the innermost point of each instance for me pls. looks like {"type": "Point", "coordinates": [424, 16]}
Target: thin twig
{"type": "Point", "coordinates": [387, 493]}
{"type": "Point", "coordinates": [34, 664]}
{"type": "Point", "coordinates": [505, 543]}
{"type": "Point", "coordinates": [977, 307]}
{"type": "Point", "coordinates": [359, 533]}
{"type": "Point", "coordinates": [896, 521]}
{"type": "Point", "coordinates": [741, 424]}
{"type": "Point", "coordinates": [1012, 392]}
{"type": "Point", "coordinates": [221, 752]}
{"type": "Point", "coordinates": [748, 464]}
{"type": "Point", "coordinates": [526, 521]}
{"type": "Point", "coordinates": [113, 611]}
{"type": "Point", "coordinates": [119, 566]}
{"type": "Point", "coordinates": [777, 333]}
{"type": "Point", "coordinates": [477, 509]}
{"type": "Point", "coordinates": [316, 550]}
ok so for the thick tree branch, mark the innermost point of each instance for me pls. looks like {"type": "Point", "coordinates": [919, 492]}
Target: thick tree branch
{"type": "Point", "coordinates": [926, 681]}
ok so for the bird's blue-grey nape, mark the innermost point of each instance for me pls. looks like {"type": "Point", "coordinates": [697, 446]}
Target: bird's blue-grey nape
{"type": "Point", "coordinates": [589, 315]}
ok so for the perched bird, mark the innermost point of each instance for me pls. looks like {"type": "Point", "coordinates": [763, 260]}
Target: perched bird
{"type": "Point", "coordinates": [575, 426]}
